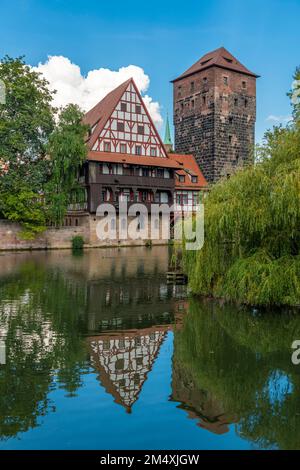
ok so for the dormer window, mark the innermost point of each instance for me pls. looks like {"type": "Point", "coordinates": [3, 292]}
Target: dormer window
{"type": "Point", "coordinates": [194, 179]}
{"type": "Point", "coordinates": [181, 178]}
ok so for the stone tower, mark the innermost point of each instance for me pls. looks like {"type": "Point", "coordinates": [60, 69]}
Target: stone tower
{"type": "Point", "coordinates": [214, 113]}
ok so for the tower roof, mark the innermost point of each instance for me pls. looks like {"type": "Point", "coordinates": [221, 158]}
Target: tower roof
{"type": "Point", "coordinates": [218, 58]}
{"type": "Point", "coordinates": [167, 139]}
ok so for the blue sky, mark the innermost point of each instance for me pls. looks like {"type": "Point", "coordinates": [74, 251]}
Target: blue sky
{"type": "Point", "coordinates": [164, 38]}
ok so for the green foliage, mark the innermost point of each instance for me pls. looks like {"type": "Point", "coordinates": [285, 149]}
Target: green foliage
{"type": "Point", "coordinates": [252, 229]}
{"type": "Point", "coordinates": [25, 208]}
{"type": "Point", "coordinates": [234, 366]}
{"type": "Point", "coordinates": [67, 152]}
{"type": "Point", "coordinates": [41, 158]}
{"type": "Point", "coordinates": [77, 243]}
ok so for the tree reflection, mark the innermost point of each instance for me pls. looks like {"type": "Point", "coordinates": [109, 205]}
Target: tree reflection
{"type": "Point", "coordinates": [39, 321]}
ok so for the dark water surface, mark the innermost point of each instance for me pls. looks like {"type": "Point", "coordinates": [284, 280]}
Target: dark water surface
{"type": "Point", "coordinates": [98, 352]}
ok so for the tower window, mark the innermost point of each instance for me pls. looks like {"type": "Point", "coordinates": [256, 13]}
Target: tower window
{"type": "Point", "coordinates": [235, 101]}
{"type": "Point", "coordinates": [138, 109]}
{"type": "Point", "coordinates": [244, 84]}
{"type": "Point", "coordinates": [204, 79]}
{"type": "Point", "coordinates": [193, 103]}
{"type": "Point", "coordinates": [192, 87]}
{"type": "Point", "coordinates": [124, 107]}
{"type": "Point", "coordinates": [225, 80]}
{"type": "Point", "coordinates": [179, 92]}
{"type": "Point", "coordinates": [246, 103]}
{"type": "Point", "coordinates": [230, 119]}
{"type": "Point", "coordinates": [181, 105]}
{"type": "Point", "coordinates": [230, 139]}
{"type": "Point", "coordinates": [204, 99]}
{"type": "Point", "coordinates": [120, 126]}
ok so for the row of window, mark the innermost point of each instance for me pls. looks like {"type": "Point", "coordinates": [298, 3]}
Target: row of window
{"type": "Point", "coordinates": [123, 149]}
{"type": "Point", "coordinates": [181, 178]}
{"type": "Point", "coordinates": [129, 195]}
{"type": "Point", "coordinates": [138, 108]}
{"type": "Point", "coordinates": [204, 80]}
{"type": "Point", "coordinates": [191, 103]}
{"type": "Point", "coordinates": [190, 198]}
{"type": "Point", "coordinates": [121, 128]}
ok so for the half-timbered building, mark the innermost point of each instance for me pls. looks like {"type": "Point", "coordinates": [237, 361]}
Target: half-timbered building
{"type": "Point", "coordinates": [127, 159]}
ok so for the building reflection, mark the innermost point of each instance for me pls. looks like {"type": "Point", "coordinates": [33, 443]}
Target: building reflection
{"type": "Point", "coordinates": [200, 405]}
{"type": "Point", "coordinates": [124, 360]}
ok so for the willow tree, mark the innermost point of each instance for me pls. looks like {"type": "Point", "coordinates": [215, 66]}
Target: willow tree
{"type": "Point", "coordinates": [252, 227]}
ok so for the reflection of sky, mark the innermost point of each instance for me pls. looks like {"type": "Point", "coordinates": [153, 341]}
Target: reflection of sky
{"type": "Point", "coordinates": [91, 420]}
{"type": "Point", "coordinates": [279, 386]}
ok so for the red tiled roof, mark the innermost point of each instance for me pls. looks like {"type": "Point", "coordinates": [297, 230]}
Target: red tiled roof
{"type": "Point", "coordinates": [100, 113]}
{"type": "Point", "coordinates": [112, 157]}
{"type": "Point", "coordinates": [219, 58]}
{"type": "Point", "coordinates": [188, 166]}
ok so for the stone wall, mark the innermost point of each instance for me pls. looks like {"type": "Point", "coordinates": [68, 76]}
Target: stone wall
{"type": "Point", "coordinates": [10, 237]}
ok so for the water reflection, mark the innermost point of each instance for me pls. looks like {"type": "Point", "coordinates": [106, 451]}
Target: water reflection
{"type": "Point", "coordinates": [106, 316]}
{"type": "Point", "coordinates": [124, 361]}
{"type": "Point", "coordinates": [233, 366]}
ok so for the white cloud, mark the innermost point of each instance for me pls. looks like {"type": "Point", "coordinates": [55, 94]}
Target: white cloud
{"type": "Point", "coordinates": [283, 119]}
{"type": "Point", "coordinates": [72, 87]}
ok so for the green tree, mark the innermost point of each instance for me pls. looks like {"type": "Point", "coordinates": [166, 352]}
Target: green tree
{"type": "Point", "coordinates": [67, 152]}
{"type": "Point", "coordinates": [26, 122]}
{"type": "Point", "coordinates": [252, 228]}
